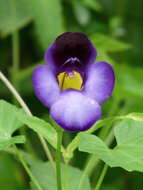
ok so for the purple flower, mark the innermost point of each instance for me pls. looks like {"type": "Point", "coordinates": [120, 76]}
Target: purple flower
{"type": "Point", "coordinates": [74, 110]}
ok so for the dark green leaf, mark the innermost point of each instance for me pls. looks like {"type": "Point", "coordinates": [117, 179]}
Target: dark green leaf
{"type": "Point", "coordinates": [11, 175]}
{"type": "Point", "coordinates": [129, 81]}
{"type": "Point", "coordinates": [24, 76]}
{"type": "Point", "coordinates": [48, 20]}
{"type": "Point", "coordinates": [27, 72]}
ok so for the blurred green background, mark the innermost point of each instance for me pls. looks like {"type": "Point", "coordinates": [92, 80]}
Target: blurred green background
{"type": "Point", "coordinates": [27, 28]}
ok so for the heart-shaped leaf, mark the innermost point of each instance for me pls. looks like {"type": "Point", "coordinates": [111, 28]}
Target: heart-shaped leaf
{"type": "Point", "coordinates": [128, 152]}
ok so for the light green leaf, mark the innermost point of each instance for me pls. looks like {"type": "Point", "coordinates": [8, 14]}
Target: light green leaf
{"type": "Point", "coordinates": [116, 26]}
{"type": "Point", "coordinates": [108, 44]}
{"type": "Point", "coordinates": [82, 13]}
{"type": "Point", "coordinates": [14, 14]}
{"type": "Point", "coordinates": [100, 123]}
{"type": "Point", "coordinates": [8, 125]}
{"type": "Point", "coordinates": [47, 15]}
{"type": "Point", "coordinates": [44, 173]}
{"type": "Point", "coordinates": [6, 142]}
{"type": "Point", "coordinates": [136, 116]}
{"type": "Point", "coordinates": [93, 144]}
{"type": "Point", "coordinates": [39, 126]}
{"type": "Point", "coordinates": [127, 154]}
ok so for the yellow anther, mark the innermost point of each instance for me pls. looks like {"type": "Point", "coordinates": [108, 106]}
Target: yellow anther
{"type": "Point", "coordinates": [70, 80]}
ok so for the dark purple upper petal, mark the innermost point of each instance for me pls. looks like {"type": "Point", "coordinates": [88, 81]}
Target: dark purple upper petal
{"type": "Point", "coordinates": [45, 85]}
{"type": "Point", "coordinates": [71, 51]}
{"type": "Point", "coordinates": [100, 82]}
{"type": "Point", "coordinates": [75, 111]}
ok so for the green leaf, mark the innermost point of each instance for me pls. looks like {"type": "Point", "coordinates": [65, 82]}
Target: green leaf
{"type": "Point", "coordinates": [27, 72]}
{"type": "Point", "coordinates": [44, 173]}
{"type": "Point", "coordinates": [75, 142]}
{"type": "Point", "coordinates": [8, 125]}
{"type": "Point", "coordinates": [129, 81]}
{"type": "Point", "coordinates": [39, 126]}
{"type": "Point", "coordinates": [14, 14]}
{"type": "Point", "coordinates": [128, 152]}
{"type": "Point", "coordinates": [93, 4]}
{"type": "Point", "coordinates": [47, 15]}
{"type": "Point", "coordinates": [24, 76]}
{"type": "Point", "coordinates": [108, 44]}
{"type": "Point", "coordinates": [11, 175]}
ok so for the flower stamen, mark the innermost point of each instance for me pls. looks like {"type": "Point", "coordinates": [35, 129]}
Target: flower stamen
{"type": "Point", "coordinates": [68, 80]}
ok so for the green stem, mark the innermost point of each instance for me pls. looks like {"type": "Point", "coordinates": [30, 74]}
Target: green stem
{"type": "Point", "coordinates": [47, 152]}
{"type": "Point", "coordinates": [113, 110]}
{"type": "Point", "coordinates": [92, 161]}
{"type": "Point", "coordinates": [15, 62]}
{"type": "Point", "coordinates": [15, 49]}
{"type": "Point", "coordinates": [66, 176]}
{"type": "Point", "coordinates": [15, 57]}
{"type": "Point", "coordinates": [27, 168]}
{"type": "Point", "coordinates": [58, 159]}
{"type": "Point", "coordinates": [100, 180]}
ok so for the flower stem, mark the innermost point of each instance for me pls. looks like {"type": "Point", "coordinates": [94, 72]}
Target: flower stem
{"type": "Point", "coordinates": [27, 168]}
{"type": "Point", "coordinates": [100, 180]}
{"type": "Point", "coordinates": [27, 110]}
{"type": "Point", "coordinates": [66, 176]}
{"type": "Point", "coordinates": [58, 159]}
{"type": "Point", "coordinates": [113, 110]}
{"type": "Point", "coordinates": [93, 160]}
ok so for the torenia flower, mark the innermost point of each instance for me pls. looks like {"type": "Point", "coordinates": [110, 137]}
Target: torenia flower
{"type": "Point", "coordinates": [70, 84]}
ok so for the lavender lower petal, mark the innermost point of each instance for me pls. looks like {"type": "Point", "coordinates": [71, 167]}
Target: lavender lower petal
{"type": "Point", "coordinates": [75, 112]}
